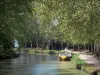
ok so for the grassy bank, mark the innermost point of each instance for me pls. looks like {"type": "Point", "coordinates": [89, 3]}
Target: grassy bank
{"type": "Point", "coordinates": [76, 60]}
{"type": "Point", "coordinates": [35, 51]}
{"type": "Point", "coordinates": [80, 64]}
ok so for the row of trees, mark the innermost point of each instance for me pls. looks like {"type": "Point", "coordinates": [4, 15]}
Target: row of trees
{"type": "Point", "coordinates": [71, 21]}
{"type": "Point", "coordinates": [13, 14]}
{"type": "Point", "coordinates": [39, 22]}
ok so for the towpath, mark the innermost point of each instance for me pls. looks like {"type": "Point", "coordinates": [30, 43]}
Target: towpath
{"type": "Point", "coordinates": [89, 59]}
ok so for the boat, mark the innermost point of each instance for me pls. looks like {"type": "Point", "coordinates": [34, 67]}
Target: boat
{"type": "Point", "coordinates": [65, 56]}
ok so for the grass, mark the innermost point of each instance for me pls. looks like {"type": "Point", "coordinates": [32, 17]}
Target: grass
{"type": "Point", "coordinates": [67, 68]}
{"type": "Point", "coordinates": [85, 67]}
{"type": "Point", "coordinates": [75, 57]}
{"type": "Point", "coordinates": [33, 51]}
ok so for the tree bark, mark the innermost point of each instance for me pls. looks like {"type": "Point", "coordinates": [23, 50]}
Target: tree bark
{"type": "Point", "coordinates": [78, 47]}
{"type": "Point", "coordinates": [31, 44]}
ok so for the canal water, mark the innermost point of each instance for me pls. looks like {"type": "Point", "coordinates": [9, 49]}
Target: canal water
{"type": "Point", "coordinates": [28, 64]}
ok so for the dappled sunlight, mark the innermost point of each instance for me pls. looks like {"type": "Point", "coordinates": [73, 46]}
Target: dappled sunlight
{"type": "Point", "coordinates": [34, 32]}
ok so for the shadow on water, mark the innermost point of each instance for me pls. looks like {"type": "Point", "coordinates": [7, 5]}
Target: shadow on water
{"type": "Point", "coordinates": [37, 65]}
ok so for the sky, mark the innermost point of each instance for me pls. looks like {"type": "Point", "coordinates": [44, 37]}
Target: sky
{"type": "Point", "coordinates": [16, 43]}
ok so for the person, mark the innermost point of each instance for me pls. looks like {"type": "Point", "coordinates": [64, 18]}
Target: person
{"type": "Point", "coordinates": [66, 49]}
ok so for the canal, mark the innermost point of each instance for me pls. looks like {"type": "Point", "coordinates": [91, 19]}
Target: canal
{"type": "Point", "coordinates": [28, 64]}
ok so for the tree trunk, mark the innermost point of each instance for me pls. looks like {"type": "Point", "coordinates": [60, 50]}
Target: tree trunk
{"type": "Point", "coordinates": [37, 45]}
{"type": "Point", "coordinates": [91, 47]}
{"type": "Point", "coordinates": [85, 46]}
{"type": "Point", "coordinates": [73, 46]}
{"type": "Point", "coordinates": [67, 45]}
{"type": "Point", "coordinates": [31, 44]}
{"type": "Point", "coordinates": [94, 47]}
{"type": "Point", "coordinates": [78, 47]}
{"type": "Point", "coordinates": [97, 51]}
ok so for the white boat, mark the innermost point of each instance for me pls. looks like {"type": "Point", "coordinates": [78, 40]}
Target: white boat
{"type": "Point", "coordinates": [64, 55]}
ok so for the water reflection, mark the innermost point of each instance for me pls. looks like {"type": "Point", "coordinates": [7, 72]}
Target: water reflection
{"type": "Point", "coordinates": [45, 69]}
{"type": "Point", "coordinates": [37, 65]}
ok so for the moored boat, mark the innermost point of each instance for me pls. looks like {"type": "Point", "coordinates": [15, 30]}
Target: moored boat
{"type": "Point", "coordinates": [65, 56]}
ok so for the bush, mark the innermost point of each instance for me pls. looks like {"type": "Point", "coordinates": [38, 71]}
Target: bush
{"type": "Point", "coordinates": [78, 66]}
{"type": "Point", "coordinates": [8, 54]}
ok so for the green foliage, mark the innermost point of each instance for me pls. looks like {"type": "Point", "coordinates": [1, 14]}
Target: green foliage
{"type": "Point", "coordinates": [13, 15]}
{"type": "Point", "coordinates": [76, 19]}
{"type": "Point", "coordinates": [35, 51]}
{"type": "Point", "coordinates": [40, 21]}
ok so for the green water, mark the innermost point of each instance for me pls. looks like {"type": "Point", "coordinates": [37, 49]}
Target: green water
{"type": "Point", "coordinates": [41, 64]}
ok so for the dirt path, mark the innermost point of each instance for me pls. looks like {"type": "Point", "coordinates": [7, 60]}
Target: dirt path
{"type": "Point", "coordinates": [89, 59]}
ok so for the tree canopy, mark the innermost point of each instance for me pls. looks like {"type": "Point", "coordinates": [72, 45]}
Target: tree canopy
{"type": "Point", "coordinates": [39, 21]}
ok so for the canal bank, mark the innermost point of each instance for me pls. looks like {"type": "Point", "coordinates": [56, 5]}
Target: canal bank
{"type": "Point", "coordinates": [43, 51]}
{"type": "Point", "coordinates": [86, 62]}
